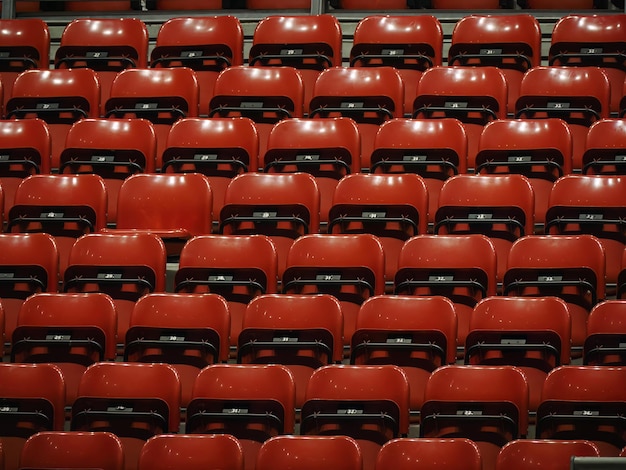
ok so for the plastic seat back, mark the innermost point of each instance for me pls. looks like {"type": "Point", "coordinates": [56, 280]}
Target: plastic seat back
{"type": "Point", "coordinates": [370, 96]}
{"type": "Point", "coordinates": [410, 44]}
{"type": "Point", "coordinates": [350, 267]}
{"type": "Point", "coordinates": [605, 331]}
{"type": "Point", "coordinates": [106, 45]}
{"type": "Point", "coordinates": [124, 266]}
{"type": "Point", "coordinates": [539, 149]}
{"type": "Point", "coordinates": [308, 340]}
{"type": "Point", "coordinates": [188, 331]}
{"type": "Point", "coordinates": [309, 43]}
{"type": "Point", "coordinates": [591, 40]}
{"type": "Point", "coordinates": [192, 452]}
{"type": "Point", "coordinates": [219, 148]}
{"type": "Point", "coordinates": [72, 331]}
{"type": "Point", "coordinates": [473, 95]}
{"type": "Point", "coordinates": [58, 97]}
{"type": "Point", "coordinates": [604, 148]}
{"type": "Point", "coordinates": [25, 150]}
{"type": "Point", "coordinates": [421, 454]}
{"type": "Point", "coordinates": [417, 334]}
{"type": "Point", "coordinates": [578, 95]}
{"type": "Point", "coordinates": [251, 402]}
{"type": "Point", "coordinates": [510, 42]}
{"type": "Point", "coordinates": [516, 455]}
{"type": "Point", "coordinates": [309, 453]}
{"type": "Point", "coordinates": [206, 44]}
{"type": "Point", "coordinates": [113, 149]}
{"type": "Point", "coordinates": [264, 94]}
{"type": "Point", "coordinates": [394, 207]}
{"type": "Point", "coordinates": [329, 149]}
{"type": "Point", "coordinates": [162, 96]}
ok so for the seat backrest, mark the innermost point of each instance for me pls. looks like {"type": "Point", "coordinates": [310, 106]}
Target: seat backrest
{"type": "Point", "coordinates": [113, 149]}
{"type": "Point", "coordinates": [25, 43]}
{"type": "Point", "coordinates": [518, 454]}
{"type": "Point", "coordinates": [421, 454]}
{"type": "Point", "coordinates": [309, 43]}
{"type": "Point", "coordinates": [595, 40]}
{"type": "Point", "coordinates": [99, 6]}
{"type": "Point", "coordinates": [59, 97]}
{"type": "Point", "coordinates": [310, 453]}
{"type": "Point", "coordinates": [604, 148]}
{"type": "Point", "coordinates": [106, 45]}
{"type": "Point", "coordinates": [370, 96]}
{"type": "Point", "coordinates": [605, 328]}
{"type": "Point", "coordinates": [206, 44]}
{"type": "Point", "coordinates": [410, 44]}
{"type": "Point", "coordinates": [474, 95]}
{"type": "Point", "coordinates": [510, 42]}
{"type": "Point", "coordinates": [192, 452]}
{"type": "Point", "coordinates": [25, 149]}
{"type": "Point", "coordinates": [69, 449]}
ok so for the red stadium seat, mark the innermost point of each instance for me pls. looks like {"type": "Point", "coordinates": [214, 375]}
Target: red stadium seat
{"type": "Point", "coordinates": [422, 454]}
{"type": "Point", "coordinates": [510, 42]}
{"type": "Point", "coordinates": [605, 332]}
{"type": "Point", "coordinates": [370, 96]}
{"type": "Point", "coordinates": [206, 44]}
{"type": "Point", "coordinates": [410, 44]}
{"type": "Point", "coordinates": [111, 148]}
{"type": "Point", "coordinates": [543, 453]}
{"type": "Point", "coordinates": [604, 148]}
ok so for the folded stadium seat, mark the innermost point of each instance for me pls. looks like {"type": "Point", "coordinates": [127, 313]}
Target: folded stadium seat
{"type": "Point", "coordinates": [58, 97]}
{"type": "Point", "coordinates": [394, 207]}
{"type": "Point", "coordinates": [191, 452]}
{"type": "Point", "coordinates": [473, 95]}
{"type": "Point", "coordinates": [65, 206]}
{"type": "Point", "coordinates": [272, 334]}
{"type": "Point", "coordinates": [370, 96]}
{"type": "Point", "coordinates": [621, 278]}
{"type": "Point", "coordinates": [435, 149]}
{"type": "Point", "coordinates": [605, 148]}
{"type": "Point", "coordinates": [33, 396]}
{"type": "Point", "coordinates": [107, 45]}
{"type": "Point", "coordinates": [421, 454]}
{"type": "Point", "coordinates": [219, 148]}
{"type": "Point", "coordinates": [25, 44]}
{"type": "Point", "coordinates": [309, 43]}
{"type": "Point", "coordinates": [282, 206]}
{"type": "Point", "coordinates": [546, 453]}
{"type": "Point", "coordinates": [584, 402]}
{"type": "Point", "coordinates": [606, 329]}
{"type": "Point", "coordinates": [112, 148]}
{"type": "Point", "coordinates": [264, 94]}
{"type": "Point", "coordinates": [124, 266]}
{"type": "Point", "coordinates": [329, 149]}
{"type": "Point", "coordinates": [162, 96]}
{"type": "Point", "coordinates": [188, 331]}
{"type": "Point", "coordinates": [72, 331]}
{"type": "Point", "coordinates": [251, 402]}
{"type": "Point", "coordinates": [530, 333]}
{"type": "Point", "coordinates": [578, 95]}
{"type": "Point", "coordinates": [459, 267]}
{"type": "Point", "coordinates": [206, 44]}
{"type": "Point", "coordinates": [29, 264]}
{"type": "Point", "coordinates": [410, 44]}
{"type": "Point", "coordinates": [569, 267]}
{"type": "Point", "coordinates": [237, 267]}
{"type": "Point", "coordinates": [133, 401]}
{"type": "Point", "coordinates": [350, 267]}
{"type": "Point", "coordinates": [510, 42]}
{"type": "Point", "coordinates": [99, 6]}
{"type": "Point", "coordinates": [594, 205]}
{"type": "Point", "coordinates": [176, 207]}
{"type": "Point", "coordinates": [417, 334]}
{"type": "Point", "coordinates": [501, 207]}
{"type": "Point", "coordinates": [24, 151]}
{"type": "Point", "coordinates": [367, 403]}
{"type": "Point", "coordinates": [371, 4]}
{"type": "Point", "coordinates": [310, 453]}
{"type": "Point", "coordinates": [592, 40]}
{"type": "Point", "coordinates": [539, 149]}
{"type": "Point", "coordinates": [487, 404]}
{"type": "Point", "coordinates": [63, 449]}
{"type": "Point", "coordinates": [466, 4]}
